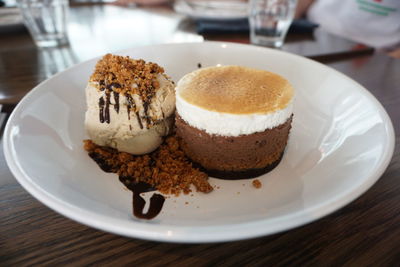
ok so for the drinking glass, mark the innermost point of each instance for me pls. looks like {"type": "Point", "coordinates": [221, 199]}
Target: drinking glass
{"type": "Point", "coordinates": [46, 21]}
{"type": "Point", "coordinates": [270, 20]}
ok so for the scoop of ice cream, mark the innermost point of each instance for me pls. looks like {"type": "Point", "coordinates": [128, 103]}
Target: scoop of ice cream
{"type": "Point", "coordinates": [129, 105]}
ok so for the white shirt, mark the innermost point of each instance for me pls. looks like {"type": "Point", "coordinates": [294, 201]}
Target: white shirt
{"type": "Point", "coordinates": [372, 22]}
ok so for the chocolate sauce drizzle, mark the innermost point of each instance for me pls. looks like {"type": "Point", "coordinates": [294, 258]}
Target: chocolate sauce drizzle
{"type": "Point", "coordinates": [146, 115]}
{"type": "Point", "coordinates": [131, 104]}
{"type": "Point", "coordinates": [102, 162]}
{"type": "Point", "coordinates": [104, 105]}
{"type": "Point", "coordinates": [113, 85]}
{"type": "Point", "coordinates": [102, 85]}
{"type": "Point", "coordinates": [101, 109]}
{"type": "Point", "coordinates": [128, 110]}
{"type": "Point", "coordinates": [106, 109]}
{"type": "Point", "coordinates": [138, 203]}
{"type": "Point", "coordinates": [139, 120]}
{"type": "Point", "coordinates": [116, 100]}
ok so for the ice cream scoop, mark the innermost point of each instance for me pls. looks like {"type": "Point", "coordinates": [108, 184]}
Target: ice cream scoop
{"type": "Point", "coordinates": [129, 104]}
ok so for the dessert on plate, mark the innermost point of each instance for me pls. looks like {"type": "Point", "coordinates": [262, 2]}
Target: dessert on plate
{"type": "Point", "coordinates": [234, 121]}
{"type": "Point", "coordinates": [130, 104]}
{"type": "Point", "coordinates": [129, 119]}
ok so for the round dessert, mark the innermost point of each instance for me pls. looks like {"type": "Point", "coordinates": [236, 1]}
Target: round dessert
{"type": "Point", "coordinates": [130, 105]}
{"type": "Point", "coordinates": [234, 121]}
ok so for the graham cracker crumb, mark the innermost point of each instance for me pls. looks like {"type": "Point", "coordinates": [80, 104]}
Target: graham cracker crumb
{"type": "Point", "coordinates": [120, 74]}
{"type": "Point", "coordinates": [257, 184]}
{"type": "Point", "coordinates": [167, 169]}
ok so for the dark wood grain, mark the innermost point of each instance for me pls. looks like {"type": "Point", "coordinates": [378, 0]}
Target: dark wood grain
{"type": "Point", "coordinates": [364, 233]}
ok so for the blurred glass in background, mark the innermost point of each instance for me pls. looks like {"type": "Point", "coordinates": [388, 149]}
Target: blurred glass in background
{"type": "Point", "coordinates": [270, 21]}
{"type": "Point", "coordinates": [46, 21]}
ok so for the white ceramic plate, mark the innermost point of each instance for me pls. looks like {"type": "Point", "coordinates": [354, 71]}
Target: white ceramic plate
{"type": "Point", "coordinates": [341, 142]}
{"type": "Point", "coordinates": [212, 10]}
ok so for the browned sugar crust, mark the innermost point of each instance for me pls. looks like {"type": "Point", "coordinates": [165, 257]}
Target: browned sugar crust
{"type": "Point", "coordinates": [247, 155]}
{"type": "Point", "coordinates": [236, 90]}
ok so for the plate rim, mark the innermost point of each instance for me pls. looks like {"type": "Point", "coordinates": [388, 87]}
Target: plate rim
{"type": "Point", "coordinates": [184, 234]}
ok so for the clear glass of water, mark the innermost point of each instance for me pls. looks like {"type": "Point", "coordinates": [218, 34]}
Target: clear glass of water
{"type": "Point", "coordinates": [270, 20]}
{"type": "Point", "coordinates": [46, 21]}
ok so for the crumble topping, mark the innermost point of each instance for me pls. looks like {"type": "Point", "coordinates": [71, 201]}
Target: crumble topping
{"type": "Point", "coordinates": [120, 74]}
{"type": "Point", "coordinates": [257, 184]}
{"type": "Point", "coordinates": [167, 169]}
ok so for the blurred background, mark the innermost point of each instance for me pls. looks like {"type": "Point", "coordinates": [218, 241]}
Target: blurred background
{"type": "Point", "coordinates": [95, 27]}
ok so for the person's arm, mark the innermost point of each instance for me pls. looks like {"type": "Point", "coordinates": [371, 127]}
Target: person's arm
{"type": "Point", "coordinates": [302, 7]}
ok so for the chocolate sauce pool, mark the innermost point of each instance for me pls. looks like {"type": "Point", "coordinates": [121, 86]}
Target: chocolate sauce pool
{"type": "Point", "coordinates": [138, 203]}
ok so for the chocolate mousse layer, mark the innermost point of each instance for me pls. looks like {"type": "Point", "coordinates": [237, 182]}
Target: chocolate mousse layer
{"type": "Point", "coordinates": [234, 157]}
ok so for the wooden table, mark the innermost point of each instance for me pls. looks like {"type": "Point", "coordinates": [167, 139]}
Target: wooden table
{"type": "Point", "coordinates": [365, 232]}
